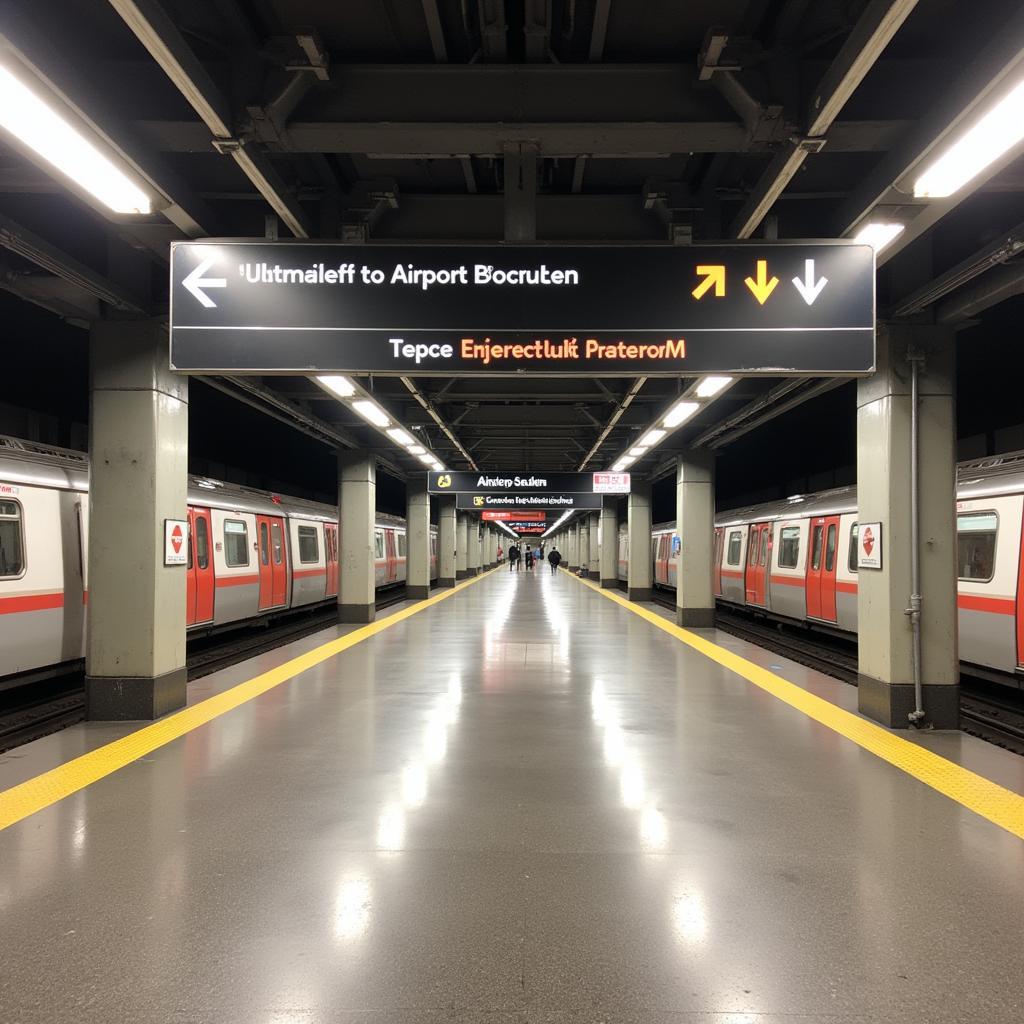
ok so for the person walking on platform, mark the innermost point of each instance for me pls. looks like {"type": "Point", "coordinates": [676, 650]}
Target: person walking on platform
{"type": "Point", "coordinates": [513, 558]}
{"type": "Point", "coordinates": [501, 552]}
{"type": "Point", "coordinates": [553, 559]}
{"type": "Point", "coordinates": [529, 558]}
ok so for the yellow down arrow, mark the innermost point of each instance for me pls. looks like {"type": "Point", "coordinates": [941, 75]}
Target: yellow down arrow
{"type": "Point", "coordinates": [713, 274]}
{"type": "Point", "coordinates": [763, 286]}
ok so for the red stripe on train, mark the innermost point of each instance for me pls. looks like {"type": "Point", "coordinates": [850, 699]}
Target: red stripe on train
{"type": "Point", "coordinates": [301, 574]}
{"type": "Point", "coordinates": [993, 605]}
{"type": "Point", "coordinates": [236, 581]}
{"type": "Point", "coordinates": [31, 603]}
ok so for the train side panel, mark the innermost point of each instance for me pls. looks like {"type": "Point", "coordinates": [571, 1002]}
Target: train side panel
{"type": "Point", "coordinates": [846, 575]}
{"type": "Point", "coordinates": [309, 561]}
{"type": "Point", "coordinates": [734, 559]}
{"type": "Point", "coordinates": [236, 573]}
{"type": "Point", "coordinates": [787, 579]}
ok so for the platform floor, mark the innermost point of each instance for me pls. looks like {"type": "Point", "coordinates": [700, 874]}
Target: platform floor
{"type": "Point", "coordinates": [524, 803]}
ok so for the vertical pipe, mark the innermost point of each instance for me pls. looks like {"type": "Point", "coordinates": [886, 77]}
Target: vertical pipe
{"type": "Point", "coordinates": [914, 611]}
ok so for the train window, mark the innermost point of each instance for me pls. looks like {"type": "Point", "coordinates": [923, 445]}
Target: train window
{"type": "Point", "coordinates": [276, 543]}
{"type": "Point", "coordinates": [976, 545]}
{"type": "Point", "coordinates": [816, 547]}
{"type": "Point", "coordinates": [378, 543]}
{"type": "Point", "coordinates": [264, 544]}
{"type": "Point", "coordinates": [789, 547]}
{"type": "Point", "coordinates": [830, 548]}
{"type": "Point", "coordinates": [401, 545]}
{"type": "Point", "coordinates": [202, 543]}
{"type": "Point", "coordinates": [236, 542]}
{"type": "Point", "coordinates": [309, 547]}
{"type": "Point", "coordinates": [12, 548]}
{"type": "Point", "coordinates": [732, 556]}
{"type": "Point", "coordinates": [854, 559]}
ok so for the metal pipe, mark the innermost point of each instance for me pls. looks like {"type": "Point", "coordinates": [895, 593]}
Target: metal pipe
{"type": "Point", "coordinates": [914, 611]}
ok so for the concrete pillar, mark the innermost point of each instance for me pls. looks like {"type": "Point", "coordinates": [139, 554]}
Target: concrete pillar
{"type": "Point", "coordinates": [583, 544]}
{"type": "Point", "coordinates": [357, 513]}
{"type": "Point", "coordinates": [446, 542]}
{"type": "Point", "coordinates": [572, 543]}
{"type": "Point", "coordinates": [138, 478]}
{"type": "Point", "coordinates": [462, 546]}
{"type": "Point", "coordinates": [695, 525]}
{"type": "Point", "coordinates": [639, 585]}
{"type": "Point", "coordinates": [886, 690]}
{"type": "Point", "coordinates": [609, 557]}
{"type": "Point", "coordinates": [417, 538]}
{"type": "Point", "coordinates": [473, 546]}
{"type": "Point", "coordinates": [492, 547]}
{"type": "Point", "coordinates": [594, 568]}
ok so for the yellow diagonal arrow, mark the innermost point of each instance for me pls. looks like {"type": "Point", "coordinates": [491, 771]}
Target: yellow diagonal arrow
{"type": "Point", "coordinates": [763, 286]}
{"type": "Point", "coordinates": [713, 274]}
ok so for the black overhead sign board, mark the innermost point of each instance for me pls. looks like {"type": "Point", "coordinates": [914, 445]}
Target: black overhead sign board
{"type": "Point", "coordinates": [480, 500]}
{"type": "Point", "coordinates": [593, 483]}
{"type": "Point", "coordinates": [748, 308]}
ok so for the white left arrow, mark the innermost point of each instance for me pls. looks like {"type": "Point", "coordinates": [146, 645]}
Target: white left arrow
{"type": "Point", "coordinates": [808, 287]}
{"type": "Point", "coordinates": [195, 283]}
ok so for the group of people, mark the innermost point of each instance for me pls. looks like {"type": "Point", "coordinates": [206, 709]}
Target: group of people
{"type": "Point", "coordinates": [531, 555]}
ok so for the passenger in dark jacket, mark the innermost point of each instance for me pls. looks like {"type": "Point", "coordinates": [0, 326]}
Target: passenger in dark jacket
{"type": "Point", "coordinates": [553, 559]}
{"type": "Point", "coordinates": [513, 558]}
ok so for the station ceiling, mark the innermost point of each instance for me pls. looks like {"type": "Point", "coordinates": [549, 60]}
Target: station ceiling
{"type": "Point", "coordinates": [388, 120]}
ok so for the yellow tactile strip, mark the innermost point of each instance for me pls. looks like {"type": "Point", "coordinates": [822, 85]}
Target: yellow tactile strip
{"type": "Point", "coordinates": [982, 796]}
{"type": "Point", "coordinates": [34, 794]}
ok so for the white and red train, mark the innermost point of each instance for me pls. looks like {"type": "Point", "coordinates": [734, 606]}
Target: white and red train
{"type": "Point", "coordinates": [797, 560]}
{"type": "Point", "coordinates": [251, 554]}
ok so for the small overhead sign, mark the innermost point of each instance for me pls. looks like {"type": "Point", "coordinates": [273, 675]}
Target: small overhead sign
{"type": "Point", "coordinates": [479, 501]}
{"type": "Point", "coordinates": [175, 542]}
{"type": "Point", "coordinates": [535, 517]}
{"type": "Point", "coordinates": [869, 537]}
{"type": "Point", "coordinates": [747, 308]}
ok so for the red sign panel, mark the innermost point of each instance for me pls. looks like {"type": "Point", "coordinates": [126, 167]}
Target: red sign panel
{"type": "Point", "coordinates": [523, 517]}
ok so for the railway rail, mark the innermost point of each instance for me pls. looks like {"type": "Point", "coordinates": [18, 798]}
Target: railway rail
{"type": "Point", "coordinates": [36, 709]}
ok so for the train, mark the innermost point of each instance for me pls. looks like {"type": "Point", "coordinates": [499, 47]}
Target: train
{"type": "Point", "coordinates": [251, 555]}
{"type": "Point", "coordinates": [796, 561]}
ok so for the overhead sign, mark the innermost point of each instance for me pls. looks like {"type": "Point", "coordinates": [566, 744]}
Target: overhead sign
{"type": "Point", "coordinates": [747, 308]}
{"type": "Point", "coordinates": [479, 500]}
{"type": "Point", "coordinates": [869, 537]}
{"type": "Point", "coordinates": [591, 483]}
{"type": "Point", "coordinates": [175, 542]}
{"type": "Point", "coordinates": [534, 517]}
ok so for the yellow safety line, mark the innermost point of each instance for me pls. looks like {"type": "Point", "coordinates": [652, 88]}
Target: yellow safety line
{"type": "Point", "coordinates": [982, 796]}
{"type": "Point", "coordinates": [34, 794]}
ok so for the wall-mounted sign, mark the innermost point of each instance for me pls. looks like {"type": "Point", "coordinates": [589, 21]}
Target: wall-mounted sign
{"type": "Point", "coordinates": [749, 308]}
{"type": "Point", "coordinates": [480, 500]}
{"type": "Point", "coordinates": [533, 517]}
{"type": "Point", "coordinates": [175, 542]}
{"type": "Point", "coordinates": [515, 483]}
{"type": "Point", "coordinates": [869, 543]}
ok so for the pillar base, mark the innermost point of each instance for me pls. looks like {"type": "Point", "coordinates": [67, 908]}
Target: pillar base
{"type": "Point", "coordinates": [638, 593]}
{"type": "Point", "coordinates": [610, 584]}
{"type": "Point", "coordinates": [417, 593]}
{"type": "Point", "coordinates": [695, 618]}
{"type": "Point", "coordinates": [461, 574]}
{"type": "Point", "coordinates": [446, 581]}
{"type": "Point", "coordinates": [891, 703]}
{"type": "Point", "coordinates": [357, 613]}
{"type": "Point", "coordinates": [473, 572]}
{"type": "Point", "coordinates": [593, 575]}
{"type": "Point", "coordinates": [134, 698]}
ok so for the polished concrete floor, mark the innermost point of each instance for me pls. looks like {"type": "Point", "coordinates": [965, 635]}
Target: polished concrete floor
{"type": "Point", "coordinates": [524, 804]}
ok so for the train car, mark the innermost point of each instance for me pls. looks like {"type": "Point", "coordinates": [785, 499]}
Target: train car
{"type": "Point", "coordinates": [251, 554]}
{"type": "Point", "coordinates": [797, 561]}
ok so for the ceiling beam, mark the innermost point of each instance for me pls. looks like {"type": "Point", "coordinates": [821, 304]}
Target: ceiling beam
{"type": "Point", "coordinates": [623, 405]}
{"type": "Point", "coordinates": [438, 419]}
{"type": "Point", "coordinates": [436, 31]}
{"type": "Point", "coordinates": [872, 33]}
{"type": "Point", "coordinates": [157, 31]}
{"type": "Point", "coordinates": [493, 30]}
{"type": "Point", "coordinates": [599, 29]}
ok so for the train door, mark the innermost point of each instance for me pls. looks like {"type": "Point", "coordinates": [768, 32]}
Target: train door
{"type": "Point", "coordinates": [758, 557]}
{"type": "Point", "coordinates": [821, 569]}
{"type": "Point", "coordinates": [390, 556]}
{"type": "Point", "coordinates": [278, 562]}
{"type": "Point", "coordinates": [717, 564]}
{"type": "Point", "coordinates": [199, 574]}
{"type": "Point", "coordinates": [331, 544]}
{"type": "Point", "coordinates": [266, 570]}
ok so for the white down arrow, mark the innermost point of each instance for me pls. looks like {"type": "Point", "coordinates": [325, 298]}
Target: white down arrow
{"type": "Point", "coordinates": [195, 283]}
{"type": "Point", "coordinates": [808, 287]}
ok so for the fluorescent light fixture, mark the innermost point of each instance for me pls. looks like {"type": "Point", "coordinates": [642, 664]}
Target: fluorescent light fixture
{"type": "Point", "coordinates": [679, 412]}
{"type": "Point", "coordinates": [982, 144]}
{"type": "Point", "coordinates": [638, 451]}
{"type": "Point", "coordinates": [342, 387]}
{"type": "Point", "coordinates": [399, 436]}
{"type": "Point", "coordinates": [416, 449]}
{"type": "Point", "coordinates": [624, 463]}
{"type": "Point", "coordinates": [371, 411]}
{"type": "Point", "coordinates": [652, 437]}
{"type": "Point", "coordinates": [710, 386]}
{"type": "Point", "coordinates": [43, 130]}
{"type": "Point", "coordinates": [878, 234]}
{"type": "Point", "coordinates": [427, 459]}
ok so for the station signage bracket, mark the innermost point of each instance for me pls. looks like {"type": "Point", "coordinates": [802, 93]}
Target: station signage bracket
{"type": "Point", "coordinates": [780, 308]}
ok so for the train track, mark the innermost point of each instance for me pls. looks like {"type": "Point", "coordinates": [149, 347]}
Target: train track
{"type": "Point", "coordinates": [36, 709]}
{"type": "Point", "coordinates": [988, 711]}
